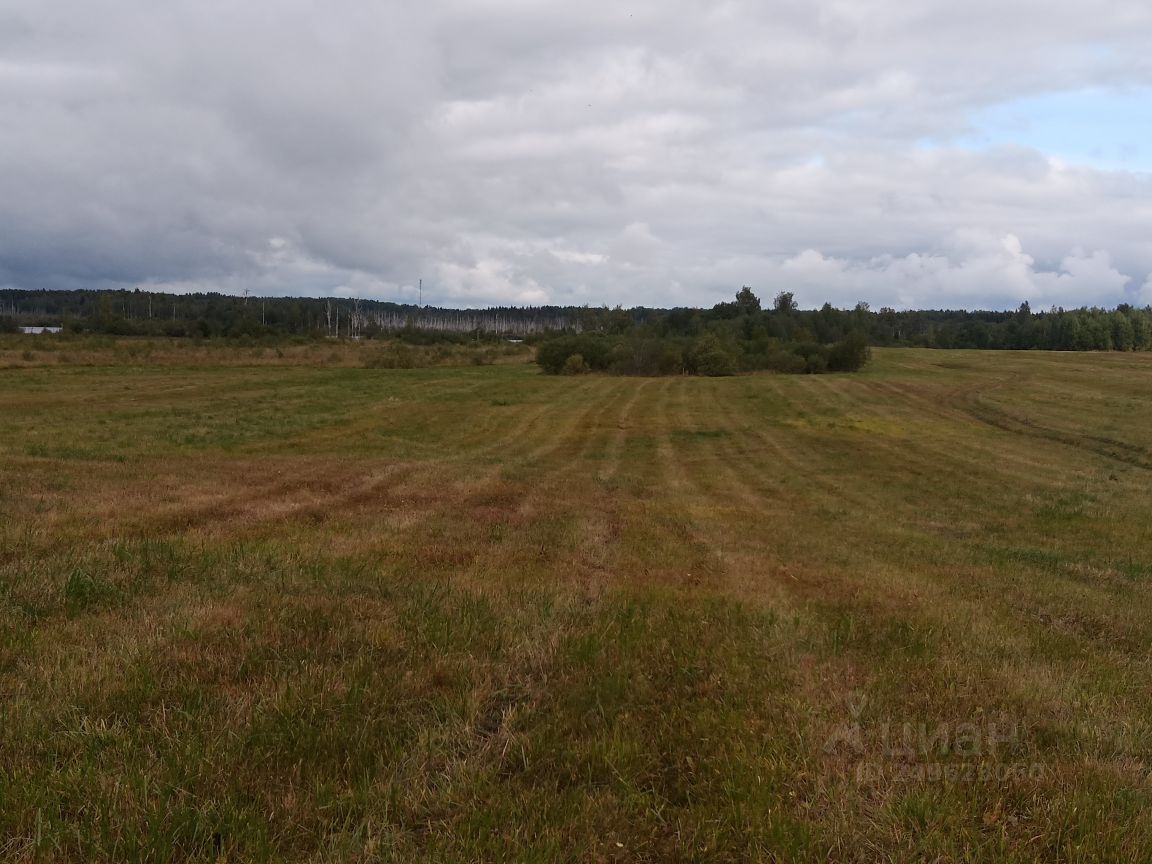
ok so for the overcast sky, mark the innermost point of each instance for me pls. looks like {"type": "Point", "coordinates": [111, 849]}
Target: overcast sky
{"type": "Point", "coordinates": [911, 154]}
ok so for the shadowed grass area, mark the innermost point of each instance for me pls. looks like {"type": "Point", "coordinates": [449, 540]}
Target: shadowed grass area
{"type": "Point", "coordinates": [457, 614]}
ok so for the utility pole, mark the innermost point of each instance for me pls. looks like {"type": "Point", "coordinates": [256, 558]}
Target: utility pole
{"type": "Point", "coordinates": [421, 293]}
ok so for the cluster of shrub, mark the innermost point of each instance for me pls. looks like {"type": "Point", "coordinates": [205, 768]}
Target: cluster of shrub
{"type": "Point", "coordinates": [415, 354]}
{"type": "Point", "coordinates": [729, 339]}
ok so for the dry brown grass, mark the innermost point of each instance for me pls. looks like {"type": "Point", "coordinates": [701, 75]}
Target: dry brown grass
{"type": "Point", "coordinates": [479, 613]}
{"type": "Point", "coordinates": [20, 351]}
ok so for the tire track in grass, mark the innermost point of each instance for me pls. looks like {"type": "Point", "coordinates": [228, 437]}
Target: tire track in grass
{"type": "Point", "coordinates": [946, 403]}
{"type": "Point", "coordinates": [579, 519]}
{"type": "Point", "coordinates": [723, 505]}
{"type": "Point", "coordinates": [931, 462]}
{"type": "Point", "coordinates": [1010, 470]}
{"type": "Point", "coordinates": [930, 596]}
{"type": "Point", "coordinates": [560, 516]}
{"type": "Point", "coordinates": [616, 490]}
{"type": "Point", "coordinates": [577, 469]}
{"type": "Point", "coordinates": [753, 468]}
{"type": "Point", "coordinates": [746, 503]}
{"type": "Point", "coordinates": [569, 489]}
{"type": "Point", "coordinates": [625, 421]}
{"type": "Point", "coordinates": [306, 487]}
{"type": "Point", "coordinates": [1103, 446]}
{"type": "Point", "coordinates": [528, 447]}
{"type": "Point", "coordinates": [672, 470]}
{"type": "Point", "coordinates": [912, 597]}
{"type": "Point", "coordinates": [793, 459]}
{"type": "Point", "coordinates": [514, 495]}
{"type": "Point", "coordinates": [920, 464]}
{"type": "Point", "coordinates": [710, 474]}
{"type": "Point", "coordinates": [759, 572]}
{"type": "Point", "coordinates": [567, 420]}
{"type": "Point", "coordinates": [433, 488]}
{"type": "Point", "coordinates": [756, 485]}
{"type": "Point", "coordinates": [530, 421]}
{"type": "Point", "coordinates": [592, 425]}
{"type": "Point", "coordinates": [662, 540]}
{"type": "Point", "coordinates": [531, 517]}
{"type": "Point", "coordinates": [938, 404]}
{"type": "Point", "coordinates": [805, 563]}
{"type": "Point", "coordinates": [949, 403]}
{"type": "Point", "coordinates": [819, 497]}
{"type": "Point", "coordinates": [142, 513]}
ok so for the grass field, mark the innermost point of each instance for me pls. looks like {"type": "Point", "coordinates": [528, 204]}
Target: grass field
{"type": "Point", "coordinates": [477, 613]}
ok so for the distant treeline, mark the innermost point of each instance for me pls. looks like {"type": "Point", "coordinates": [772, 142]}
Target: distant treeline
{"type": "Point", "coordinates": [142, 313]}
{"type": "Point", "coordinates": [129, 313]}
{"type": "Point", "coordinates": [1126, 328]}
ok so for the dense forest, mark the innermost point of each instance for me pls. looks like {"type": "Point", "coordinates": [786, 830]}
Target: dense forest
{"type": "Point", "coordinates": [128, 313]}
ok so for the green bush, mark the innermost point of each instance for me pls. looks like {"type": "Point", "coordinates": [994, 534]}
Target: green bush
{"type": "Point", "coordinates": [575, 365]}
{"type": "Point", "coordinates": [849, 354]}
{"type": "Point", "coordinates": [711, 358]}
{"type": "Point", "coordinates": [784, 361]}
{"type": "Point", "coordinates": [554, 353]}
{"type": "Point", "coordinates": [816, 364]}
{"type": "Point", "coordinates": [648, 356]}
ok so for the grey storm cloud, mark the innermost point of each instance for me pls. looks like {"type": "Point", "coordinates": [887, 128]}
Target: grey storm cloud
{"type": "Point", "coordinates": [509, 151]}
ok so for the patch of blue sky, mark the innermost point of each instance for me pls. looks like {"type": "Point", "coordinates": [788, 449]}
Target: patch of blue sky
{"type": "Point", "coordinates": [1102, 128]}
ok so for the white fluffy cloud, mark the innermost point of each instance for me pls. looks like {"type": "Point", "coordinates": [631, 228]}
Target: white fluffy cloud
{"type": "Point", "coordinates": [510, 151]}
{"type": "Point", "coordinates": [979, 270]}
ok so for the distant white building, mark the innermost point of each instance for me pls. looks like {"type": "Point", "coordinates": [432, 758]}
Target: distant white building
{"type": "Point", "coordinates": [34, 331]}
